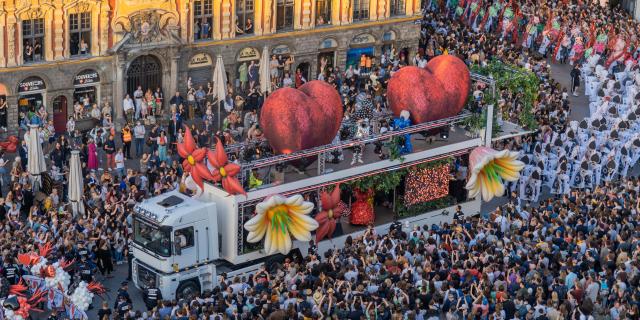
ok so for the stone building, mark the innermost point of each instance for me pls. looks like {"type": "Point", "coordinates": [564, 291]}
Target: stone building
{"type": "Point", "coordinates": [57, 51]}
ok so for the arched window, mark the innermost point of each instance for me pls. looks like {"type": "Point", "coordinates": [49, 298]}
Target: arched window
{"type": "Point", "coordinates": [80, 33]}
{"type": "Point", "coordinates": [360, 10]}
{"type": "Point", "coordinates": [284, 16]}
{"type": "Point", "coordinates": [33, 39]}
{"type": "Point", "coordinates": [244, 16]}
{"type": "Point", "coordinates": [202, 19]}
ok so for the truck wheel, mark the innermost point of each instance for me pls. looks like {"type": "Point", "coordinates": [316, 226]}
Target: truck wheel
{"type": "Point", "coordinates": [187, 290]}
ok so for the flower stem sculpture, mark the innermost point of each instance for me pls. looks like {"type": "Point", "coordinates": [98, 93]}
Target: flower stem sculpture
{"type": "Point", "coordinates": [193, 157]}
{"type": "Point", "coordinates": [225, 171]}
{"type": "Point", "coordinates": [331, 211]}
{"type": "Point", "coordinates": [278, 219]}
{"type": "Point", "coordinates": [489, 170]}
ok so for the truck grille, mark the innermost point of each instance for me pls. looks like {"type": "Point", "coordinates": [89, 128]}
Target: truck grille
{"type": "Point", "coordinates": [146, 277]}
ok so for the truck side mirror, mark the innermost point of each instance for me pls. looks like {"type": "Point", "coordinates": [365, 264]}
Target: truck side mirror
{"type": "Point", "coordinates": [177, 248]}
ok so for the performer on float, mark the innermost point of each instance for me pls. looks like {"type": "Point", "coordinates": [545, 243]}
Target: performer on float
{"type": "Point", "coordinates": [362, 209]}
{"type": "Point", "coordinates": [400, 123]}
{"type": "Point", "coordinates": [336, 155]}
{"type": "Point", "coordinates": [362, 132]}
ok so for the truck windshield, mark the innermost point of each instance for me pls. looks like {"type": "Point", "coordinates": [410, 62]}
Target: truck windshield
{"type": "Point", "coordinates": [153, 238]}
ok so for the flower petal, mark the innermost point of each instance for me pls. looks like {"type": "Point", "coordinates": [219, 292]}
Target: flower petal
{"type": "Point", "coordinates": [322, 232]}
{"type": "Point", "coordinates": [189, 142]}
{"type": "Point", "coordinates": [220, 154]}
{"type": "Point", "coordinates": [254, 223]}
{"type": "Point", "coordinates": [232, 186]}
{"type": "Point", "coordinates": [258, 230]}
{"type": "Point", "coordinates": [322, 217]}
{"type": "Point", "coordinates": [186, 166]}
{"type": "Point", "coordinates": [304, 208]}
{"type": "Point", "coordinates": [335, 196]}
{"type": "Point", "coordinates": [299, 231]}
{"type": "Point", "coordinates": [304, 221]}
{"type": "Point", "coordinates": [182, 150]}
{"type": "Point", "coordinates": [267, 204]}
{"type": "Point", "coordinates": [232, 169]}
{"type": "Point", "coordinates": [197, 179]}
{"type": "Point", "coordinates": [212, 160]}
{"type": "Point", "coordinates": [198, 154]}
{"type": "Point", "coordinates": [203, 171]}
{"type": "Point", "coordinates": [332, 228]}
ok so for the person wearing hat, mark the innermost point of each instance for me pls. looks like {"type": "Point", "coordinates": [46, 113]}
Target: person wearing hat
{"type": "Point", "coordinates": [123, 293]}
{"type": "Point", "coordinates": [122, 306]}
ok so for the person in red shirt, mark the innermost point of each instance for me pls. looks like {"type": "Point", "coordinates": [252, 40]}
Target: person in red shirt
{"type": "Point", "coordinates": [300, 80]}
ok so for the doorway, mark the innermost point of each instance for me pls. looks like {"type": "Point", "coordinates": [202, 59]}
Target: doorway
{"type": "Point", "coordinates": [145, 71]}
{"type": "Point", "coordinates": [328, 58]}
{"type": "Point", "coordinates": [304, 70]}
{"type": "Point", "coordinates": [60, 114]}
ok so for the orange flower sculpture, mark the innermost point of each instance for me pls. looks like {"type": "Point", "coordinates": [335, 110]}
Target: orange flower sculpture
{"type": "Point", "coordinates": [193, 159]}
{"type": "Point", "coordinates": [225, 171]}
{"type": "Point", "coordinates": [331, 212]}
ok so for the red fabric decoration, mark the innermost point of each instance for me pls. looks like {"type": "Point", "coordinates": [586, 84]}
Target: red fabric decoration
{"type": "Point", "coordinates": [362, 208]}
{"type": "Point", "coordinates": [193, 159]}
{"type": "Point", "coordinates": [225, 171]}
{"type": "Point", "coordinates": [331, 212]}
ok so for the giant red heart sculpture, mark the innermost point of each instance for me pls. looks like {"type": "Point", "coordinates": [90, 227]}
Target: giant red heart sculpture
{"type": "Point", "coordinates": [303, 118]}
{"type": "Point", "coordinates": [436, 92]}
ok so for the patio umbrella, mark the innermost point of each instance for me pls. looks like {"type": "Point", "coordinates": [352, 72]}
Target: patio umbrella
{"type": "Point", "coordinates": [76, 185]}
{"type": "Point", "coordinates": [220, 82]}
{"type": "Point", "coordinates": [265, 74]}
{"type": "Point", "coordinates": [35, 163]}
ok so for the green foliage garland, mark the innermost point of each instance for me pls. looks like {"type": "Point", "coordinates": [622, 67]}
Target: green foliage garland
{"type": "Point", "coordinates": [421, 208]}
{"type": "Point", "coordinates": [516, 80]}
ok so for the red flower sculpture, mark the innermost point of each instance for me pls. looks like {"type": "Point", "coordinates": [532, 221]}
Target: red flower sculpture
{"type": "Point", "coordinates": [193, 157]}
{"type": "Point", "coordinates": [331, 211]}
{"type": "Point", "coordinates": [225, 171]}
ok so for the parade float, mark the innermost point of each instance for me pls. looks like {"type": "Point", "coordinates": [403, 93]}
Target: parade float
{"type": "Point", "coordinates": [47, 286]}
{"type": "Point", "coordinates": [308, 188]}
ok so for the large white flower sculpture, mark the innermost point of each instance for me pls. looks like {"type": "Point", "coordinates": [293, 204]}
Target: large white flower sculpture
{"type": "Point", "coordinates": [278, 219]}
{"type": "Point", "coordinates": [489, 169]}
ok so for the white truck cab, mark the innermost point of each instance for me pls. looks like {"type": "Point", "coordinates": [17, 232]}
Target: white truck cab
{"type": "Point", "coordinates": [175, 243]}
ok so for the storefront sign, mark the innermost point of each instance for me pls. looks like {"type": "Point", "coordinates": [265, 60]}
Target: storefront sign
{"type": "Point", "coordinates": [363, 39]}
{"type": "Point", "coordinates": [389, 36]}
{"type": "Point", "coordinates": [248, 54]}
{"type": "Point", "coordinates": [85, 77]}
{"type": "Point", "coordinates": [329, 44]}
{"type": "Point", "coordinates": [31, 84]}
{"type": "Point", "coordinates": [200, 60]}
{"type": "Point", "coordinates": [280, 50]}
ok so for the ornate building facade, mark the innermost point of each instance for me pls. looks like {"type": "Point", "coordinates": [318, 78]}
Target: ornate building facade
{"type": "Point", "coordinates": [54, 52]}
